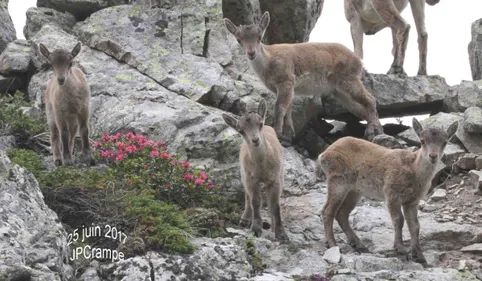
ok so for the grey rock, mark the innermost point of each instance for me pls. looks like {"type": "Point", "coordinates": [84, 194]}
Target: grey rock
{"type": "Point", "coordinates": [291, 21]}
{"type": "Point", "coordinates": [439, 194]}
{"type": "Point", "coordinates": [37, 17]}
{"type": "Point", "coordinates": [81, 9]}
{"type": "Point", "coordinates": [7, 29]}
{"type": "Point", "coordinates": [30, 234]}
{"type": "Point", "coordinates": [396, 95]}
{"type": "Point", "coordinates": [15, 58]}
{"type": "Point", "coordinates": [473, 119]}
{"type": "Point", "coordinates": [464, 95]}
{"type": "Point", "coordinates": [476, 177]}
{"type": "Point", "coordinates": [452, 153]}
{"type": "Point", "coordinates": [332, 255]}
{"type": "Point", "coordinates": [478, 163]}
{"type": "Point", "coordinates": [387, 141]}
{"type": "Point", "coordinates": [474, 248]}
{"type": "Point", "coordinates": [471, 141]}
{"type": "Point", "coordinates": [475, 50]}
{"type": "Point", "coordinates": [7, 142]}
{"type": "Point", "coordinates": [467, 161]}
{"type": "Point", "coordinates": [242, 11]}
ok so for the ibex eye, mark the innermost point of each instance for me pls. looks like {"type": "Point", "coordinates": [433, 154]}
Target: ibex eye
{"type": "Point", "coordinates": [241, 132]}
{"type": "Point", "coordinates": [239, 41]}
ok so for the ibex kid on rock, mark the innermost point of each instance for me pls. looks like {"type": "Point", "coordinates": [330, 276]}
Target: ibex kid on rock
{"type": "Point", "coordinates": [261, 159]}
{"type": "Point", "coordinates": [356, 168]}
{"type": "Point", "coordinates": [306, 69]}
{"type": "Point", "coordinates": [67, 105]}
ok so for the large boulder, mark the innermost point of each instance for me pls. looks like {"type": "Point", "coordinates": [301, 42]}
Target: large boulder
{"type": "Point", "coordinates": [15, 58]}
{"type": "Point", "coordinates": [475, 50]}
{"type": "Point", "coordinates": [37, 17]}
{"type": "Point", "coordinates": [32, 240]}
{"type": "Point", "coordinates": [7, 29]}
{"type": "Point", "coordinates": [81, 9]}
{"type": "Point", "coordinates": [242, 11]}
{"type": "Point", "coordinates": [464, 95]}
{"type": "Point", "coordinates": [291, 21]}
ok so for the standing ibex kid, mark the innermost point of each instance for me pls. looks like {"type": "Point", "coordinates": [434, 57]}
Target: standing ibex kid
{"type": "Point", "coordinates": [261, 159]}
{"type": "Point", "coordinates": [67, 105]}
{"type": "Point", "coordinates": [356, 168]}
{"type": "Point", "coordinates": [306, 69]}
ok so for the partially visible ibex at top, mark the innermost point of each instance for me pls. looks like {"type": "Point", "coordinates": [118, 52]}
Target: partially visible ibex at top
{"type": "Point", "coordinates": [356, 168]}
{"type": "Point", "coordinates": [67, 105]}
{"type": "Point", "coordinates": [370, 16]}
{"type": "Point", "coordinates": [306, 69]}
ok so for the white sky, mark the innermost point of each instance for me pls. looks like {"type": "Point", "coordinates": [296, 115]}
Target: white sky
{"type": "Point", "coordinates": [448, 25]}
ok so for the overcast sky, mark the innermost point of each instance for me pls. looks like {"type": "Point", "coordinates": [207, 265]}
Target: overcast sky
{"type": "Point", "coordinates": [448, 26]}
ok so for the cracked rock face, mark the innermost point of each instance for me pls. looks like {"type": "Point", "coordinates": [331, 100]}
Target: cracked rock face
{"type": "Point", "coordinates": [7, 30]}
{"type": "Point", "coordinates": [475, 50]}
{"type": "Point", "coordinates": [81, 9]}
{"type": "Point", "coordinates": [32, 240]}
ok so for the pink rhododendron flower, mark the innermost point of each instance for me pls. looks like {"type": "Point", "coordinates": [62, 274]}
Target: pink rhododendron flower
{"type": "Point", "coordinates": [130, 135]}
{"type": "Point", "coordinates": [186, 165]}
{"type": "Point", "coordinates": [154, 153]}
{"type": "Point", "coordinates": [105, 137]}
{"type": "Point", "coordinates": [210, 186]}
{"type": "Point", "coordinates": [165, 155]}
{"type": "Point", "coordinates": [97, 144]}
{"type": "Point", "coordinates": [105, 153]}
{"type": "Point", "coordinates": [120, 157]}
{"type": "Point", "coordinates": [199, 181]}
{"type": "Point", "coordinates": [121, 145]}
{"type": "Point", "coordinates": [131, 148]}
{"type": "Point", "coordinates": [188, 177]}
{"type": "Point", "coordinates": [203, 176]}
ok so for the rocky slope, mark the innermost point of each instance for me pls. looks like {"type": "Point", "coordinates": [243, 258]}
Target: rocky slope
{"type": "Point", "coordinates": [170, 73]}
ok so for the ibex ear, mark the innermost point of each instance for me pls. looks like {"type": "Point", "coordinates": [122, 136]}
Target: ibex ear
{"type": "Point", "coordinates": [264, 22]}
{"type": "Point", "coordinates": [230, 26]}
{"type": "Point", "coordinates": [44, 51]}
{"type": "Point", "coordinates": [262, 109]}
{"type": "Point", "coordinates": [76, 49]}
{"type": "Point", "coordinates": [230, 120]}
{"type": "Point", "coordinates": [417, 127]}
{"type": "Point", "coordinates": [452, 129]}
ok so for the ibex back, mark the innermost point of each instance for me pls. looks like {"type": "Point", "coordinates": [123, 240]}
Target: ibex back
{"type": "Point", "coordinates": [306, 69]}
{"type": "Point", "coordinates": [357, 168]}
{"type": "Point", "coordinates": [261, 160]}
{"type": "Point", "coordinates": [67, 105]}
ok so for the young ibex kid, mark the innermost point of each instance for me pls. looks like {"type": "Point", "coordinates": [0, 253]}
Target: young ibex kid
{"type": "Point", "coordinates": [67, 105]}
{"type": "Point", "coordinates": [356, 168]}
{"type": "Point", "coordinates": [261, 159]}
{"type": "Point", "coordinates": [307, 69]}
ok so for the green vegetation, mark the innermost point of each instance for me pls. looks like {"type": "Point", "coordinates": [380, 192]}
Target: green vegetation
{"type": "Point", "coordinates": [14, 122]}
{"type": "Point", "coordinates": [141, 188]}
{"type": "Point", "coordinates": [254, 258]}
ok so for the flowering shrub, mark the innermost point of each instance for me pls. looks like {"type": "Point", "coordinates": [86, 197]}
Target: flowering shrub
{"type": "Point", "coordinates": [143, 163]}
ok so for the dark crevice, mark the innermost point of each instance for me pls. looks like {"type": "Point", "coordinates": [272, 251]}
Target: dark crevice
{"type": "Point", "coordinates": [182, 33]}
{"type": "Point", "coordinates": [206, 38]}
{"type": "Point", "coordinates": [152, 270]}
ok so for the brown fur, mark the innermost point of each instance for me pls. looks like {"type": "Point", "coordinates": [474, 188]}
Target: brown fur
{"type": "Point", "coordinates": [370, 16]}
{"type": "Point", "coordinates": [307, 68]}
{"type": "Point", "coordinates": [357, 168]}
{"type": "Point", "coordinates": [67, 105]}
{"type": "Point", "coordinates": [261, 159]}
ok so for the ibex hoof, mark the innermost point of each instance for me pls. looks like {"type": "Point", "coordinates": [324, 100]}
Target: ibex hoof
{"type": "Point", "coordinates": [420, 259]}
{"type": "Point", "coordinates": [360, 248]}
{"type": "Point", "coordinates": [330, 244]}
{"type": "Point", "coordinates": [244, 223]}
{"type": "Point", "coordinates": [257, 230]}
{"type": "Point", "coordinates": [397, 70]}
{"type": "Point", "coordinates": [67, 162]}
{"type": "Point", "coordinates": [58, 162]}
{"type": "Point", "coordinates": [282, 237]}
{"type": "Point", "coordinates": [89, 160]}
